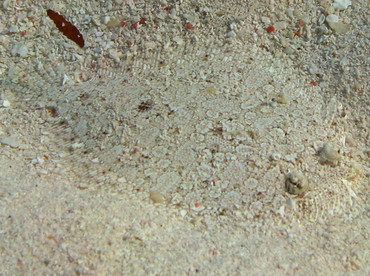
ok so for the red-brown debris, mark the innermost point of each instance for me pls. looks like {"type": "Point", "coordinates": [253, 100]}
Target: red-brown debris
{"type": "Point", "coordinates": [67, 28]}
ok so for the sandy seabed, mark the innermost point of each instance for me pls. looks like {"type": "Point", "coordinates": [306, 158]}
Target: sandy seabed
{"type": "Point", "coordinates": [165, 145]}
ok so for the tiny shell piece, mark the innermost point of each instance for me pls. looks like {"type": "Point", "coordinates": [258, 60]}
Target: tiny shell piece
{"type": "Point", "coordinates": [157, 197]}
{"type": "Point", "coordinates": [275, 157]}
{"type": "Point", "coordinates": [296, 183]}
{"type": "Point", "coordinates": [283, 98]}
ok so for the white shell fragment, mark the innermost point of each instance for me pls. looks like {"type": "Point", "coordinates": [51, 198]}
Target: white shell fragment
{"type": "Point", "coordinates": [332, 18]}
{"type": "Point", "coordinates": [10, 141]}
{"type": "Point", "coordinates": [5, 103]}
{"type": "Point", "coordinates": [19, 49]}
{"type": "Point", "coordinates": [296, 183]}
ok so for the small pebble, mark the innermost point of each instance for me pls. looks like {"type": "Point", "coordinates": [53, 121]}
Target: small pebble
{"type": "Point", "coordinates": [329, 155]}
{"type": "Point", "coordinates": [296, 183]}
{"type": "Point", "coordinates": [266, 20]}
{"type": "Point", "coordinates": [13, 29]}
{"type": "Point", "coordinates": [289, 50]}
{"type": "Point", "coordinates": [105, 20]}
{"type": "Point", "coordinates": [342, 4]}
{"type": "Point", "coordinates": [339, 27]}
{"type": "Point", "coordinates": [231, 34]}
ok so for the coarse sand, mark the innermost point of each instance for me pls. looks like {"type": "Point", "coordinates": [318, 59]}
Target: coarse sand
{"type": "Point", "coordinates": [184, 137]}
